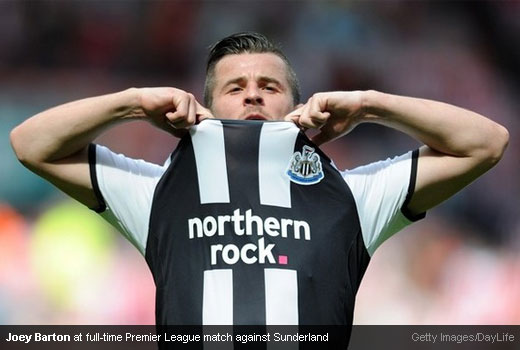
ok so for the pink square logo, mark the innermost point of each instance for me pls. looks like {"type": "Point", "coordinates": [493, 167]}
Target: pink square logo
{"type": "Point", "coordinates": [282, 259]}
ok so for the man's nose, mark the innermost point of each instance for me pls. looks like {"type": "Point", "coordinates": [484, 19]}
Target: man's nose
{"type": "Point", "coordinates": [253, 97]}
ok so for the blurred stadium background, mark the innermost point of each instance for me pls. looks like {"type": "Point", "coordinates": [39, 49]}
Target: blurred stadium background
{"type": "Point", "coordinates": [60, 264]}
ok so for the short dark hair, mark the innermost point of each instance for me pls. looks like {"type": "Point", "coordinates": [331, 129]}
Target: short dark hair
{"type": "Point", "coordinates": [245, 42]}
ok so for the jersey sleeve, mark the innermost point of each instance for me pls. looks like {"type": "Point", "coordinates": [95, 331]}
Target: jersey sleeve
{"type": "Point", "coordinates": [124, 188]}
{"type": "Point", "coordinates": [382, 191]}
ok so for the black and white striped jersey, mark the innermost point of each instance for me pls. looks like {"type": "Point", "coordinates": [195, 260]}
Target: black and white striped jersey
{"type": "Point", "coordinates": [249, 223]}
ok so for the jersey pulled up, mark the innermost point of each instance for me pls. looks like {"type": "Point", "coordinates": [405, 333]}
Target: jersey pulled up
{"type": "Point", "coordinates": [249, 223]}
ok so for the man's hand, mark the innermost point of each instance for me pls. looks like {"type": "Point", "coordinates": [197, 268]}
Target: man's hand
{"type": "Point", "coordinates": [334, 113]}
{"type": "Point", "coordinates": [171, 109]}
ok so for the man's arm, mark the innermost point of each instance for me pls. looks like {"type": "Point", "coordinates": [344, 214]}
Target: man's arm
{"type": "Point", "coordinates": [54, 143]}
{"type": "Point", "coordinates": [460, 145]}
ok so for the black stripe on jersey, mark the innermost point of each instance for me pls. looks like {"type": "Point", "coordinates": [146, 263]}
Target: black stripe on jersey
{"type": "Point", "coordinates": [248, 296]}
{"type": "Point", "coordinates": [93, 178]}
{"type": "Point", "coordinates": [241, 147]}
{"type": "Point", "coordinates": [248, 282]}
{"type": "Point", "coordinates": [411, 189]}
{"type": "Point", "coordinates": [173, 308]}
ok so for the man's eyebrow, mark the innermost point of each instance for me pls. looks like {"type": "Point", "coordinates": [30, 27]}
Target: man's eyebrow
{"type": "Point", "coordinates": [265, 79]}
{"type": "Point", "coordinates": [237, 80]}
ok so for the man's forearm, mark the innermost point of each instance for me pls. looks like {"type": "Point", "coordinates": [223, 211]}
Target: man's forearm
{"type": "Point", "coordinates": [53, 144]}
{"type": "Point", "coordinates": [460, 145]}
{"type": "Point", "coordinates": [445, 128]}
{"type": "Point", "coordinates": [66, 129]}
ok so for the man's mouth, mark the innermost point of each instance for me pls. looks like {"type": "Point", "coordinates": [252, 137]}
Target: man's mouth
{"type": "Point", "coordinates": [255, 117]}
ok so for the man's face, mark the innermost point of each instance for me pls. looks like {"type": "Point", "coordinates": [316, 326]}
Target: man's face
{"type": "Point", "coordinates": [251, 86]}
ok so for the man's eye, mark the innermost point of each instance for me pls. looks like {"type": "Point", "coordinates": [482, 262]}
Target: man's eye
{"type": "Point", "coordinates": [235, 89]}
{"type": "Point", "coordinates": [270, 88]}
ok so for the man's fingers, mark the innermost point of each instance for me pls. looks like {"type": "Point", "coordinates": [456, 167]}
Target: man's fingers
{"type": "Point", "coordinates": [314, 105]}
{"type": "Point", "coordinates": [202, 113]}
{"type": "Point", "coordinates": [185, 114]}
{"type": "Point", "coordinates": [294, 115]}
{"type": "Point", "coordinates": [295, 120]}
{"type": "Point", "coordinates": [291, 118]}
{"type": "Point", "coordinates": [201, 117]}
{"type": "Point", "coordinates": [191, 112]}
{"type": "Point", "coordinates": [315, 120]}
{"type": "Point", "coordinates": [317, 112]}
{"type": "Point", "coordinates": [181, 110]}
{"type": "Point", "coordinates": [312, 117]}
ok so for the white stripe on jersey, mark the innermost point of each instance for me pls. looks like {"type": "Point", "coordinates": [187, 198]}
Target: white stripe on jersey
{"type": "Point", "coordinates": [275, 151]}
{"type": "Point", "coordinates": [217, 297]}
{"type": "Point", "coordinates": [210, 158]}
{"type": "Point", "coordinates": [281, 297]}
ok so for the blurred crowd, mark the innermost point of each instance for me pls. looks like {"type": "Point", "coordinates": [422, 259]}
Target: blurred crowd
{"type": "Point", "coordinates": [60, 263]}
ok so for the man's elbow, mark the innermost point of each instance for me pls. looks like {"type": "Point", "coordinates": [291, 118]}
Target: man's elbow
{"type": "Point", "coordinates": [17, 144]}
{"type": "Point", "coordinates": [21, 146]}
{"type": "Point", "coordinates": [496, 145]}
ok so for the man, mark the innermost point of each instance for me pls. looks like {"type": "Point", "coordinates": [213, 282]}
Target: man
{"type": "Point", "coordinates": [220, 254]}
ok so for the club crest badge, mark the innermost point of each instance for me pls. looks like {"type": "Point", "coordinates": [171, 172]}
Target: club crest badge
{"type": "Point", "coordinates": [305, 167]}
